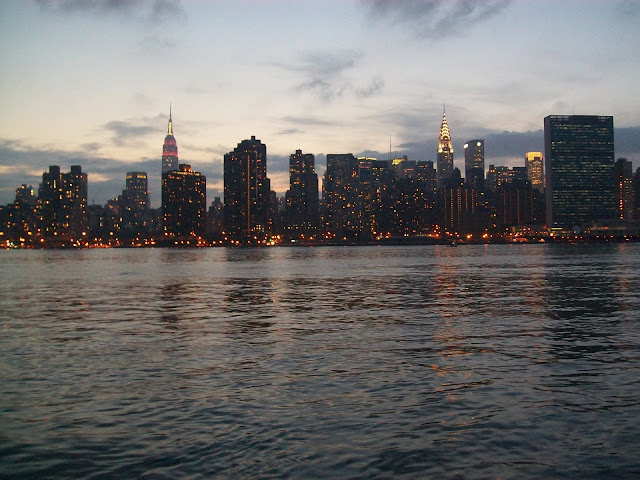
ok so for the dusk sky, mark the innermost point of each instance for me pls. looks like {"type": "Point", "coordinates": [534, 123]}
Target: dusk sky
{"type": "Point", "coordinates": [89, 82]}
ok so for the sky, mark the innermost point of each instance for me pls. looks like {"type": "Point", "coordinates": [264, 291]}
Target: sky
{"type": "Point", "coordinates": [90, 82]}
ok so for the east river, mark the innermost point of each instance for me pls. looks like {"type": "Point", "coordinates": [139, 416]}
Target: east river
{"type": "Point", "coordinates": [486, 361]}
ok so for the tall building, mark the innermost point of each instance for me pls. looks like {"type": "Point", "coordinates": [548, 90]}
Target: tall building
{"type": "Point", "coordinates": [474, 164]}
{"type": "Point", "coordinates": [624, 189]}
{"type": "Point", "coordinates": [457, 205]}
{"type": "Point", "coordinates": [62, 205]}
{"type": "Point", "coordinates": [445, 153]}
{"type": "Point", "coordinates": [340, 195]}
{"type": "Point", "coordinates": [184, 202]}
{"type": "Point", "coordinates": [302, 197]}
{"type": "Point", "coordinates": [635, 187]}
{"type": "Point", "coordinates": [247, 192]}
{"type": "Point", "coordinates": [135, 203]}
{"type": "Point", "coordinates": [579, 170]}
{"type": "Point", "coordinates": [169, 149]}
{"type": "Point", "coordinates": [533, 162]}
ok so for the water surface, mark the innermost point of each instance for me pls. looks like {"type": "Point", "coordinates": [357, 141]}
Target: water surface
{"type": "Point", "coordinates": [495, 361]}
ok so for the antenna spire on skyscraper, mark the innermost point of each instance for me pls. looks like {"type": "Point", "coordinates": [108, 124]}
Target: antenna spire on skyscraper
{"type": "Point", "coordinates": [170, 128]}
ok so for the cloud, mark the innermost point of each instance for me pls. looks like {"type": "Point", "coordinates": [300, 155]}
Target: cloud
{"type": "Point", "coordinates": [153, 11]}
{"type": "Point", "coordinates": [325, 75]}
{"type": "Point", "coordinates": [125, 132]}
{"type": "Point", "coordinates": [290, 131]}
{"type": "Point", "coordinates": [311, 121]}
{"type": "Point", "coordinates": [628, 144]}
{"type": "Point", "coordinates": [628, 8]}
{"type": "Point", "coordinates": [376, 85]}
{"type": "Point", "coordinates": [435, 19]}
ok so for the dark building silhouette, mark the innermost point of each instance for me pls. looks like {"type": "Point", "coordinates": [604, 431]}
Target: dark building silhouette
{"type": "Point", "coordinates": [215, 219]}
{"type": "Point", "coordinates": [18, 224]}
{"type": "Point", "coordinates": [62, 205]}
{"type": "Point", "coordinates": [184, 202]}
{"type": "Point", "coordinates": [169, 149]}
{"type": "Point", "coordinates": [635, 186]}
{"type": "Point", "coordinates": [341, 196]}
{"type": "Point", "coordinates": [474, 164]}
{"type": "Point", "coordinates": [579, 170]}
{"type": "Point", "coordinates": [496, 176]}
{"type": "Point", "coordinates": [134, 204]}
{"type": "Point", "coordinates": [457, 205]}
{"type": "Point", "coordinates": [248, 201]}
{"type": "Point", "coordinates": [445, 153]}
{"type": "Point", "coordinates": [302, 203]}
{"type": "Point", "coordinates": [515, 204]}
{"type": "Point", "coordinates": [624, 189]}
{"type": "Point", "coordinates": [382, 195]}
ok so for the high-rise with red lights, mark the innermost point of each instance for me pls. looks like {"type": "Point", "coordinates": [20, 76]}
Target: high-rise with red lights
{"type": "Point", "coordinates": [169, 149]}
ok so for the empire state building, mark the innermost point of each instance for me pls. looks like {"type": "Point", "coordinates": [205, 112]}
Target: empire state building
{"type": "Point", "coordinates": [169, 149]}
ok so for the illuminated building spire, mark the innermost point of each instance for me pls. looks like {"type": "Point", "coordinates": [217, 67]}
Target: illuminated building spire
{"type": "Point", "coordinates": [170, 148]}
{"type": "Point", "coordinates": [445, 151]}
{"type": "Point", "coordinates": [445, 135]}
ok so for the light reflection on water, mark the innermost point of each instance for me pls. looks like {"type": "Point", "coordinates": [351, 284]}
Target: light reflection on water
{"type": "Point", "coordinates": [415, 362]}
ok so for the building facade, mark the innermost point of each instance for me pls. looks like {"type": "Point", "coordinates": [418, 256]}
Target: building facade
{"type": "Point", "coordinates": [134, 204]}
{"type": "Point", "coordinates": [302, 203]}
{"type": "Point", "coordinates": [184, 202]}
{"type": "Point", "coordinates": [474, 164]}
{"type": "Point", "coordinates": [579, 171]}
{"type": "Point", "coordinates": [340, 195]}
{"type": "Point", "coordinates": [62, 205]}
{"type": "Point", "coordinates": [247, 192]}
{"type": "Point", "coordinates": [533, 163]}
{"type": "Point", "coordinates": [624, 189]}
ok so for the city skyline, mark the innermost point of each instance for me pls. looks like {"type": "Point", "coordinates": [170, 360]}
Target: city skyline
{"type": "Point", "coordinates": [360, 77]}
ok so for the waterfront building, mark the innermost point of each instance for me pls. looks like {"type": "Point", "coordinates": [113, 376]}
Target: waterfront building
{"type": "Point", "coordinates": [215, 219]}
{"type": "Point", "coordinates": [382, 194]}
{"type": "Point", "coordinates": [496, 176]}
{"type": "Point", "coordinates": [635, 186]}
{"type": "Point", "coordinates": [579, 171]}
{"type": "Point", "coordinates": [624, 189]}
{"type": "Point", "coordinates": [533, 163]}
{"type": "Point", "coordinates": [134, 203]}
{"type": "Point", "coordinates": [474, 164]}
{"type": "Point", "coordinates": [248, 201]}
{"type": "Point", "coordinates": [340, 195]}
{"type": "Point", "coordinates": [169, 149]}
{"type": "Point", "coordinates": [514, 204]}
{"type": "Point", "coordinates": [184, 202]}
{"type": "Point", "coordinates": [457, 205]}
{"type": "Point", "coordinates": [302, 203]}
{"type": "Point", "coordinates": [62, 205]}
{"type": "Point", "coordinates": [445, 153]}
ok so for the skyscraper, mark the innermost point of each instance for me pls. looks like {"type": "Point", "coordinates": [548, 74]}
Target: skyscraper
{"type": "Point", "coordinates": [579, 170]}
{"type": "Point", "coordinates": [247, 192]}
{"type": "Point", "coordinates": [533, 162]}
{"type": "Point", "coordinates": [445, 153]}
{"type": "Point", "coordinates": [169, 149]}
{"type": "Point", "coordinates": [474, 164]}
{"type": "Point", "coordinates": [340, 195]}
{"type": "Point", "coordinates": [62, 205]}
{"type": "Point", "coordinates": [302, 197]}
{"type": "Point", "coordinates": [624, 189]}
{"type": "Point", "coordinates": [184, 202]}
{"type": "Point", "coordinates": [135, 203]}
